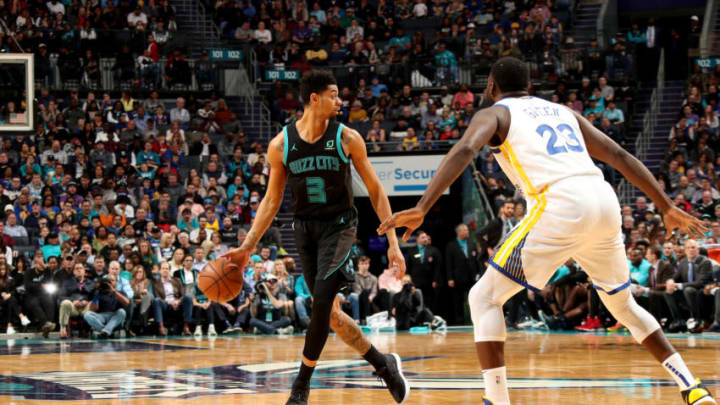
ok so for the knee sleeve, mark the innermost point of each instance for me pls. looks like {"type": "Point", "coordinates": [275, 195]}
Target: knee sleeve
{"type": "Point", "coordinates": [624, 308]}
{"type": "Point", "coordinates": [486, 299]}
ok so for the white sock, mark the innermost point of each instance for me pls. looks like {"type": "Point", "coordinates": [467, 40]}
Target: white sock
{"type": "Point", "coordinates": [496, 388]}
{"type": "Point", "coordinates": [678, 370]}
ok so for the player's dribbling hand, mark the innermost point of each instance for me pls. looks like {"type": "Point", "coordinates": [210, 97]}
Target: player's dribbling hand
{"type": "Point", "coordinates": [238, 257]}
{"type": "Point", "coordinates": [676, 218]}
{"type": "Point", "coordinates": [396, 261]}
{"type": "Point", "coordinates": [410, 219]}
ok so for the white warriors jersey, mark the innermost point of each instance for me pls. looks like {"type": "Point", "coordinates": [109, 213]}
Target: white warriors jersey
{"type": "Point", "coordinates": [544, 144]}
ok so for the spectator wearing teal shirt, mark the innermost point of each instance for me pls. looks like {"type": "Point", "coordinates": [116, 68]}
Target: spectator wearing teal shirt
{"type": "Point", "coordinates": [615, 115]}
{"type": "Point", "coordinates": [30, 162]}
{"type": "Point", "coordinates": [187, 223]}
{"type": "Point", "coordinates": [52, 247]}
{"type": "Point", "coordinates": [238, 187]}
{"type": "Point", "coordinates": [559, 273]}
{"type": "Point", "coordinates": [639, 267]}
{"type": "Point", "coordinates": [148, 155]}
{"type": "Point", "coordinates": [446, 63]}
{"type": "Point", "coordinates": [636, 36]}
{"type": "Point", "coordinates": [594, 108]}
{"type": "Point", "coordinates": [400, 41]}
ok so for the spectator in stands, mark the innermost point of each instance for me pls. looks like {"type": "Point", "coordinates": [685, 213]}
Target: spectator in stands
{"type": "Point", "coordinates": [105, 312]}
{"type": "Point", "coordinates": [365, 288]}
{"type": "Point", "coordinates": [461, 268]}
{"type": "Point", "coordinates": [694, 272]}
{"type": "Point", "coordinates": [170, 299]}
{"type": "Point", "coordinates": [388, 286]}
{"type": "Point", "coordinates": [13, 228]}
{"type": "Point", "coordinates": [266, 310]}
{"type": "Point", "coordinates": [615, 115]}
{"type": "Point", "coordinates": [39, 301]}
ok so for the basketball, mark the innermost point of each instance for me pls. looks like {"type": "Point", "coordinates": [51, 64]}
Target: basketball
{"type": "Point", "coordinates": [221, 280]}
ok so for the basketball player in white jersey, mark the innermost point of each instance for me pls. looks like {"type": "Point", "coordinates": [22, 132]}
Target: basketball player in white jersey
{"type": "Point", "coordinates": [546, 150]}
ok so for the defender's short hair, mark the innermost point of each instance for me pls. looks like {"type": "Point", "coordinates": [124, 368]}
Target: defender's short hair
{"type": "Point", "coordinates": [510, 74]}
{"type": "Point", "coordinates": [315, 81]}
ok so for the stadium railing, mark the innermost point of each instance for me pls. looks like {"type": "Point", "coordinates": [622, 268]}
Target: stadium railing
{"type": "Point", "coordinates": [625, 190]}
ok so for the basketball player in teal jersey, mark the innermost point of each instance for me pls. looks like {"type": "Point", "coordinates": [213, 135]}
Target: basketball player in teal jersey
{"type": "Point", "coordinates": [313, 156]}
{"type": "Point", "coordinates": [546, 150]}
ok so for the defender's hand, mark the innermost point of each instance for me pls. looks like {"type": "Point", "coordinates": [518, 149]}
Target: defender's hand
{"type": "Point", "coordinates": [410, 219]}
{"type": "Point", "coordinates": [678, 219]}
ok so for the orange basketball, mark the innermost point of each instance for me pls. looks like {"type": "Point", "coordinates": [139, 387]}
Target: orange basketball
{"type": "Point", "coordinates": [221, 280]}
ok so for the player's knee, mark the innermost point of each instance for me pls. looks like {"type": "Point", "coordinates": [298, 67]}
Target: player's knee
{"type": "Point", "coordinates": [480, 295]}
{"type": "Point", "coordinates": [624, 308]}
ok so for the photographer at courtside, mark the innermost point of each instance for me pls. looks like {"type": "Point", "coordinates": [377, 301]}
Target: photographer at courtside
{"type": "Point", "coordinates": [266, 310]}
{"type": "Point", "coordinates": [106, 312]}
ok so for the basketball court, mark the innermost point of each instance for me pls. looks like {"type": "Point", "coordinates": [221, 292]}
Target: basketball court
{"type": "Point", "coordinates": [544, 368]}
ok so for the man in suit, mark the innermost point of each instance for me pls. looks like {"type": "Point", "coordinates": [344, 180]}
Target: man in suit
{"type": "Point", "coordinates": [714, 290]}
{"type": "Point", "coordinates": [651, 297]}
{"type": "Point", "coordinates": [494, 232]}
{"type": "Point", "coordinates": [694, 272]}
{"type": "Point", "coordinates": [170, 299]}
{"type": "Point", "coordinates": [424, 265]}
{"type": "Point", "coordinates": [461, 268]}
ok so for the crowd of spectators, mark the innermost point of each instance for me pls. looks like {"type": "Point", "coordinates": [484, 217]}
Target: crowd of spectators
{"type": "Point", "coordinates": [381, 37]}
{"type": "Point", "coordinates": [113, 206]}
{"type": "Point", "coordinates": [70, 38]}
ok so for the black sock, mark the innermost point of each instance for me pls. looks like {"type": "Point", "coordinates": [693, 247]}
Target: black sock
{"type": "Point", "coordinates": [375, 358]}
{"type": "Point", "coordinates": [303, 377]}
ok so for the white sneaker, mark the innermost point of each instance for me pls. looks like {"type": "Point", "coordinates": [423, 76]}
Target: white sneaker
{"type": "Point", "coordinates": [211, 331]}
{"type": "Point", "coordinates": [526, 323]}
{"type": "Point", "coordinates": [286, 331]}
{"type": "Point", "coordinates": [10, 330]}
{"type": "Point", "coordinates": [24, 321]}
{"type": "Point", "coordinates": [692, 323]}
{"type": "Point", "coordinates": [198, 331]}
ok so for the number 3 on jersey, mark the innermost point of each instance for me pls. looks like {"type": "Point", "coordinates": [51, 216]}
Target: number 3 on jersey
{"type": "Point", "coordinates": [316, 190]}
{"type": "Point", "coordinates": [571, 142]}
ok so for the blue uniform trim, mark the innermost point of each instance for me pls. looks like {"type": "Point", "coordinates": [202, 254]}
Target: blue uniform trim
{"type": "Point", "coordinates": [495, 150]}
{"type": "Point", "coordinates": [615, 291]}
{"type": "Point", "coordinates": [285, 147]}
{"type": "Point", "coordinates": [513, 278]}
{"type": "Point", "coordinates": [347, 256]}
{"type": "Point", "coordinates": [502, 105]}
{"type": "Point", "coordinates": [338, 139]}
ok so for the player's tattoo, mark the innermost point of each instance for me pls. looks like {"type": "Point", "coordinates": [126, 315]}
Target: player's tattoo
{"type": "Point", "coordinates": [349, 331]}
{"type": "Point", "coordinates": [251, 239]}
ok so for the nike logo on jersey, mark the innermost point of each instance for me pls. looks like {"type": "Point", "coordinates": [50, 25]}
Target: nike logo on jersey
{"type": "Point", "coordinates": [342, 220]}
{"type": "Point", "coordinates": [293, 148]}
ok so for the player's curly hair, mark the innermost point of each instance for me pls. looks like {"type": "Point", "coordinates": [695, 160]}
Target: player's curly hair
{"type": "Point", "coordinates": [510, 74]}
{"type": "Point", "coordinates": [315, 81]}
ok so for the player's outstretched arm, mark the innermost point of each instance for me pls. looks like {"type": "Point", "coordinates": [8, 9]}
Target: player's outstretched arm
{"type": "Point", "coordinates": [270, 204]}
{"type": "Point", "coordinates": [601, 147]}
{"type": "Point", "coordinates": [354, 144]}
{"type": "Point", "coordinates": [482, 128]}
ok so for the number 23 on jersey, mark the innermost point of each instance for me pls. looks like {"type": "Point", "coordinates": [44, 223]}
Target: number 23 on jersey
{"type": "Point", "coordinates": [561, 139]}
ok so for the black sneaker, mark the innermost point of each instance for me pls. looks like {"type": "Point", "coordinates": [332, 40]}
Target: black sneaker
{"type": "Point", "coordinates": [394, 379]}
{"type": "Point", "coordinates": [298, 396]}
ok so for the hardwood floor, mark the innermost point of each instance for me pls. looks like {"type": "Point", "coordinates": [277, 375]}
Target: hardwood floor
{"type": "Point", "coordinates": [543, 368]}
